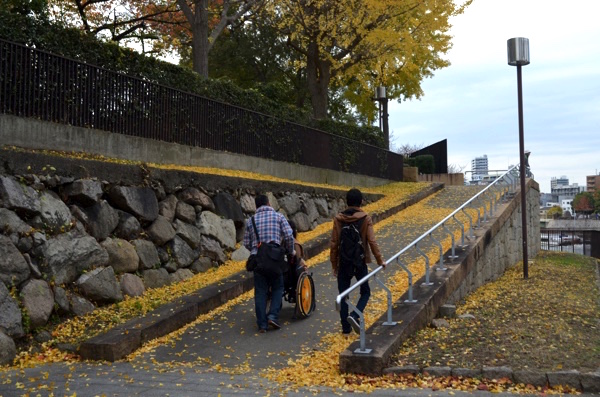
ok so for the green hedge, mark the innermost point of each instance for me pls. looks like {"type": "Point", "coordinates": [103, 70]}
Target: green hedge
{"type": "Point", "coordinates": [75, 44]}
{"type": "Point", "coordinates": [424, 163]}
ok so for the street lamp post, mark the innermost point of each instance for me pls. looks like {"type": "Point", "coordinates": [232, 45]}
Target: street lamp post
{"type": "Point", "coordinates": [382, 100]}
{"type": "Point", "coordinates": [518, 55]}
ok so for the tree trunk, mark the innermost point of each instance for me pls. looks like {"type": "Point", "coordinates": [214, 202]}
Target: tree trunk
{"type": "Point", "coordinates": [200, 38]}
{"type": "Point", "coordinates": [318, 74]}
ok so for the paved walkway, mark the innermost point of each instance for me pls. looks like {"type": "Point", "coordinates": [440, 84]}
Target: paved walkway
{"type": "Point", "coordinates": [225, 356]}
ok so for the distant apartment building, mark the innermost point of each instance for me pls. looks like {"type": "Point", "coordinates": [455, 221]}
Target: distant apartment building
{"type": "Point", "coordinates": [592, 183]}
{"type": "Point", "coordinates": [565, 193]}
{"type": "Point", "coordinates": [547, 200]}
{"type": "Point", "coordinates": [479, 169]}
{"type": "Point", "coordinates": [562, 181]}
{"type": "Point", "coordinates": [479, 165]}
{"type": "Point", "coordinates": [561, 194]}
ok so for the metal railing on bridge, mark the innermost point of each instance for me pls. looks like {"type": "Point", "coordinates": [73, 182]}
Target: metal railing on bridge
{"type": "Point", "coordinates": [484, 203]}
{"type": "Point", "coordinates": [576, 241]}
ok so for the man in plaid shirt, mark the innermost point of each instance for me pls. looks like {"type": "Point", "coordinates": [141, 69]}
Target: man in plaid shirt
{"type": "Point", "coordinates": [271, 226]}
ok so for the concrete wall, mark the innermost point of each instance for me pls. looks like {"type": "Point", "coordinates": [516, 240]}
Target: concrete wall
{"type": "Point", "coordinates": [448, 179]}
{"type": "Point", "coordinates": [505, 249]}
{"type": "Point", "coordinates": [36, 134]}
{"type": "Point", "coordinates": [574, 224]}
{"type": "Point", "coordinates": [411, 174]}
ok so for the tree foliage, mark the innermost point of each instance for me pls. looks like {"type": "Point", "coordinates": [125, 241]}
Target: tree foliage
{"type": "Point", "coordinates": [119, 21]}
{"type": "Point", "coordinates": [253, 56]}
{"type": "Point", "coordinates": [555, 211]}
{"type": "Point", "coordinates": [357, 45]}
{"type": "Point", "coordinates": [36, 8]}
{"type": "Point", "coordinates": [597, 200]}
{"type": "Point", "coordinates": [584, 203]}
{"type": "Point", "coordinates": [205, 20]}
{"type": "Point", "coordinates": [188, 27]}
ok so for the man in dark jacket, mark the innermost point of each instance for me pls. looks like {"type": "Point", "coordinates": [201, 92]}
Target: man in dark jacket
{"type": "Point", "coordinates": [353, 214]}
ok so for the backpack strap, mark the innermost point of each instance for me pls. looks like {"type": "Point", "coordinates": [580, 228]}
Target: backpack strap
{"type": "Point", "coordinates": [256, 232]}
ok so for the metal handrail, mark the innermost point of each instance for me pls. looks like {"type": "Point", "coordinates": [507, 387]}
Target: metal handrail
{"type": "Point", "coordinates": [508, 179]}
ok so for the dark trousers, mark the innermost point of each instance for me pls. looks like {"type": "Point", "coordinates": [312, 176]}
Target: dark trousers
{"type": "Point", "coordinates": [344, 282]}
{"type": "Point", "coordinates": [262, 286]}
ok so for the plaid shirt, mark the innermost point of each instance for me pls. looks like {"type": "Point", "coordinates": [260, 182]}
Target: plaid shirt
{"type": "Point", "coordinates": [272, 226]}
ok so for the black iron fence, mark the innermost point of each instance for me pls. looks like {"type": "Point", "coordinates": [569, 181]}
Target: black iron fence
{"type": "Point", "coordinates": [584, 242]}
{"type": "Point", "coordinates": [38, 84]}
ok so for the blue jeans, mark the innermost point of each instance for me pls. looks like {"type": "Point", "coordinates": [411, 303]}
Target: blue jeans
{"type": "Point", "coordinates": [344, 281]}
{"type": "Point", "coordinates": [262, 285]}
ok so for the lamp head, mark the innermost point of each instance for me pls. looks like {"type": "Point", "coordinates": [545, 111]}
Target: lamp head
{"type": "Point", "coordinates": [518, 51]}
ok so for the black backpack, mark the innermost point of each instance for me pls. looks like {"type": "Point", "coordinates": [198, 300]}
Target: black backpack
{"type": "Point", "coordinates": [352, 252]}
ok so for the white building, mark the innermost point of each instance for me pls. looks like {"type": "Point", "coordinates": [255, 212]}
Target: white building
{"type": "Point", "coordinates": [566, 205]}
{"type": "Point", "coordinates": [479, 165]}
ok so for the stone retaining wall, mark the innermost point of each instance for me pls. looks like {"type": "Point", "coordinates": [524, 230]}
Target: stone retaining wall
{"type": "Point", "coordinates": [75, 234]}
{"type": "Point", "coordinates": [505, 249]}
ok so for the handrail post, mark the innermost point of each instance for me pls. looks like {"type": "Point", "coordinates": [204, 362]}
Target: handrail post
{"type": "Point", "coordinates": [363, 342]}
{"type": "Point", "coordinates": [482, 202]}
{"type": "Point", "coordinates": [410, 282]}
{"type": "Point", "coordinates": [427, 282]}
{"type": "Point", "coordinates": [441, 261]}
{"type": "Point", "coordinates": [471, 234]}
{"type": "Point", "coordinates": [389, 302]}
{"type": "Point", "coordinates": [452, 255]}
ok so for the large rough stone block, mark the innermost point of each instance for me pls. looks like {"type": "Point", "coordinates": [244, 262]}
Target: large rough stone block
{"type": "Point", "coordinates": [132, 285]}
{"type": "Point", "coordinates": [100, 285]}
{"type": "Point", "coordinates": [147, 254]}
{"type": "Point", "coordinates": [227, 207]}
{"type": "Point", "coordinates": [8, 350]}
{"type": "Point", "coordinates": [84, 191]}
{"type": "Point", "coordinates": [223, 230]}
{"type": "Point", "coordinates": [122, 255]}
{"type": "Point", "coordinates": [17, 196]}
{"type": "Point", "coordinates": [38, 301]}
{"type": "Point", "coordinates": [160, 231]}
{"type": "Point", "coordinates": [100, 219]}
{"type": "Point", "coordinates": [195, 197]}
{"type": "Point", "coordinates": [67, 255]}
{"type": "Point", "coordinates": [13, 266]}
{"type": "Point", "coordinates": [54, 214]}
{"type": "Point", "coordinates": [10, 320]}
{"type": "Point", "coordinates": [140, 201]}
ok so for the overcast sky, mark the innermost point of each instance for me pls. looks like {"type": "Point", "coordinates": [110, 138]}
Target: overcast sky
{"type": "Point", "coordinates": [473, 103]}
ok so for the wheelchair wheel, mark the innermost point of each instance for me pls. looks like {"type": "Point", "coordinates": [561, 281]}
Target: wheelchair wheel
{"type": "Point", "coordinates": [305, 295]}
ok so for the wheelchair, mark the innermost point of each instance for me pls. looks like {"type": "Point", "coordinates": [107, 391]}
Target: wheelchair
{"type": "Point", "coordinates": [299, 289]}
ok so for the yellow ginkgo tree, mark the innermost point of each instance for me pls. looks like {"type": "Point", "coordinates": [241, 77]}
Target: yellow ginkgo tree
{"type": "Point", "coordinates": [357, 45]}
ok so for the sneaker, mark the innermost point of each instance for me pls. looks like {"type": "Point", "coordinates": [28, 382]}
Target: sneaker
{"type": "Point", "coordinates": [274, 324]}
{"type": "Point", "coordinates": [354, 324]}
{"type": "Point", "coordinates": [262, 331]}
{"type": "Point", "coordinates": [346, 331]}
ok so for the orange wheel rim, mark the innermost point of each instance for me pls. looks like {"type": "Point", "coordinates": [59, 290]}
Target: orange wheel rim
{"type": "Point", "coordinates": [305, 298]}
